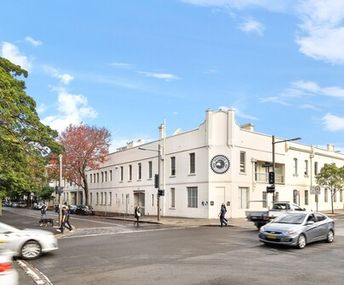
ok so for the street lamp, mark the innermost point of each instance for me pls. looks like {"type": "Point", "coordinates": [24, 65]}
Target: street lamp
{"type": "Point", "coordinates": [273, 178]}
{"type": "Point", "coordinates": [158, 179]}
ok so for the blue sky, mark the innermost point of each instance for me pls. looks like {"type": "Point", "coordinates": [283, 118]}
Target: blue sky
{"type": "Point", "coordinates": [129, 65]}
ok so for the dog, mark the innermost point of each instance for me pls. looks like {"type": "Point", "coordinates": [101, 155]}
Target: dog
{"type": "Point", "coordinates": [44, 222]}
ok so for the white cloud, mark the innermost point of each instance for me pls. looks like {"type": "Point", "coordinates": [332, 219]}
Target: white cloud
{"type": "Point", "coordinates": [274, 99]}
{"type": "Point", "coordinates": [64, 78]}
{"type": "Point", "coordinates": [251, 25]}
{"type": "Point", "coordinates": [12, 53]}
{"type": "Point", "coordinates": [322, 30]}
{"type": "Point", "coordinates": [122, 65]}
{"type": "Point", "coordinates": [333, 123]}
{"type": "Point", "coordinates": [164, 76]}
{"type": "Point", "coordinates": [73, 109]}
{"type": "Point", "coordinates": [32, 41]}
{"type": "Point", "coordinates": [239, 113]}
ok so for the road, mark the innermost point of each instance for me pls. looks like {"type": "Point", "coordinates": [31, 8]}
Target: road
{"type": "Point", "coordinates": [105, 252]}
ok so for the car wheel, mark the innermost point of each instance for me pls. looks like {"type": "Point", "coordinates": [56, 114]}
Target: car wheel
{"type": "Point", "coordinates": [330, 236]}
{"type": "Point", "coordinates": [31, 249]}
{"type": "Point", "coordinates": [301, 242]}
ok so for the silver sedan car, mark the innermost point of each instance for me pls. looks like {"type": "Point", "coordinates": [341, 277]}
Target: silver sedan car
{"type": "Point", "coordinates": [298, 229]}
{"type": "Point", "coordinates": [27, 243]}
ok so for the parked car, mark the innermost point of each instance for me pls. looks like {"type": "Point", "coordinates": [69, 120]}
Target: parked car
{"type": "Point", "coordinates": [72, 209]}
{"type": "Point", "coordinates": [298, 229]}
{"type": "Point", "coordinates": [260, 218]}
{"type": "Point", "coordinates": [27, 243]}
{"type": "Point", "coordinates": [8, 274]}
{"type": "Point", "coordinates": [84, 210]}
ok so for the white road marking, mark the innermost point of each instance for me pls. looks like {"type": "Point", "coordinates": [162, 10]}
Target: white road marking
{"type": "Point", "coordinates": [30, 270]}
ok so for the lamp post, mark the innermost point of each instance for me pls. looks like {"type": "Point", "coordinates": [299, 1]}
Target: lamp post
{"type": "Point", "coordinates": [273, 163]}
{"type": "Point", "coordinates": [158, 179]}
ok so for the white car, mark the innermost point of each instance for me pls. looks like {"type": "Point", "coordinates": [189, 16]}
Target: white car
{"type": "Point", "coordinates": [27, 243]}
{"type": "Point", "coordinates": [8, 275]}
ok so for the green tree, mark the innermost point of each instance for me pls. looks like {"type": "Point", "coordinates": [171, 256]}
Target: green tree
{"type": "Point", "coordinates": [25, 142]}
{"type": "Point", "coordinates": [331, 178]}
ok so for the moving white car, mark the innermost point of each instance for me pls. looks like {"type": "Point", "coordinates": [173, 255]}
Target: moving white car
{"type": "Point", "coordinates": [27, 243]}
{"type": "Point", "coordinates": [8, 275]}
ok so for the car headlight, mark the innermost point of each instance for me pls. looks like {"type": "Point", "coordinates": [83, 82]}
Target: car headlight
{"type": "Point", "coordinates": [261, 230]}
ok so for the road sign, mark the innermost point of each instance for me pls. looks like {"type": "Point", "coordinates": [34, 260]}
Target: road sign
{"type": "Point", "coordinates": [316, 190]}
{"type": "Point", "coordinates": [270, 189]}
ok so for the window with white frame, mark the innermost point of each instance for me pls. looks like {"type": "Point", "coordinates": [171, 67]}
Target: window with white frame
{"type": "Point", "coordinates": [242, 162]}
{"type": "Point", "coordinates": [110, 198]}
{"type": "Point", "coordinates": [105, 198]}
{"type": "Point", "coordinates": [130, 172]}
{"type": "Point", "coordinates": [173, 197]}
{"type": "Point", "coordinates": [102, 174]}
{"type": "Point", "coordinates": [152, 200]}
{"type": "Point", "coordinates": [265, 199]}
{"type": "Point", "coordinates": [173, 166]}
{"type": "Point", "coordinates": [192, 197]}
{"type": "Point", "coordinates": [296, 196]}
{"type": "Point", "coordinates": [306, 168]}
{"type": "Point", "coordinates": [326, 195]}
{"type": "Point", "coordinates": [244, 197]}
{"type": "Point", "coordinates": [139, 171]}
{"type": "Point", "coordinates": [192, 158]}
{"type": "Point", "coordinates": [122, 172]}
{"type": "Point", "coordinates": [150, 170]}
{"type": "Point", "coordinates": [101, 198]}
{"type": "Point", "coordinates": [98, 177]}
{"type": "Point", "coordinates": [90, 178]}
{"type": "Point", "coordinates": [106, 176]}
{"type": "Point", "coordinates": [315, 167]}
{"type": "Point", "coordinates": [97, 198]}
{"type": "Point", "coordinates": [110, 175]}
{"type": "Point", "coordinates": [306, 197]}
{"type": "Point", "coordinates": [295, 166]}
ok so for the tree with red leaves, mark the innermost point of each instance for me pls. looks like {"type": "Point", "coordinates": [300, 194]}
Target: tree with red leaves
{"type": "Point", "coordinates": [85, 147]}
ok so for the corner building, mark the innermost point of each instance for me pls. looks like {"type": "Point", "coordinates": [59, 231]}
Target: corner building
{"type": "Point", "coordinates": [219, 162]}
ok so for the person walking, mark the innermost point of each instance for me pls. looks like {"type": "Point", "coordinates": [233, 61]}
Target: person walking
{"type": "Point", "coordinates": [64, 220]}
{"type": "Point", "coordinates": [137, 215]}
{"type": "Point", "coordinates": [223, 211]}
{"type": "Point", "coordinates": [43, 210]}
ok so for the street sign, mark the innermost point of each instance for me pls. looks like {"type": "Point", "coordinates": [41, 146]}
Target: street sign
{"type": "Point", "coordinates": [270, 189]}
{"type": "Point", "coordinates": [315, 190]}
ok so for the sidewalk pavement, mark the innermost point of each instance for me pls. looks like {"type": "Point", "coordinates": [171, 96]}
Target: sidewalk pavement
{"type": "Point", "coordinates": [187, 222]}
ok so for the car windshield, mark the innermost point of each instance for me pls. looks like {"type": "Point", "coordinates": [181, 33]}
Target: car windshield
{"type": "Point", "coordinates": [281, 206]}
{"type": "Point", "coordinates": [291, 219]}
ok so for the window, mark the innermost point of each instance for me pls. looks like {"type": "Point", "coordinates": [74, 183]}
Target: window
{"type": "Point", "coordinates": [316, 168]}
{"type": "Point", "coordinates": [152, 200]}
{"type": "Point", "coordinates": [341, 196]}
{"type": "Point", "coordinates": [106, 176]}
{"type": "Point", "coordinates": [326, 195]}
{"type": "Point", "coordinates": [110, 198]}
{"type": "Point", "coordinates": [98, 177]}
{"type": "Point", "coordinates": [306, 196]}
{"type": "Point", "coordinates": [150, 169]}
{"type": "Point", "coordinates": [102, 173]}
{"type": "Point", "coordinates": [105, 198]}
{"type": "Point", "coordinates": [101, 198]}
{"type": "Point", "coordinates": [276, 196]}
{"type": "Point", "coordinates": [335, 196]}
{"type": "Point", "coordinates": [173, 166]}
{"type": "Point", "coordinates": [121, 173]}
{"type": "Point", "coordinates": [173, 198]}
{"type": "Point", "coordinates": [244, 197]}
{"type": "Point", "coordinates": [265, 199]}
{"type": "Point", "coordinates": [97, 198]}
{"type": "Point", "coordinates": [139, 171]}
{"type": "Point", "coordinates": [91, 199]}
{"type": "Point", "coordinates": [306, 168]}
{"type": "Point", "coordinates": [130, 172]}
{"type": "Point", "coordinates": [242, 162]}
{"type": "Point", "coordinates": [94, 177]}
{"type": "Point", "coordinates": [295, 196]}
{"type": "Point", "coordinates": [192, 163]}
{"type": "Point", "coordinates": [295, 166]}
{"type": "Point", "coordinates": [192, 197]}
{"type": "Point", "coordinates": [90, 178]}
{"type": "Point", "coordinates": [110, 175]}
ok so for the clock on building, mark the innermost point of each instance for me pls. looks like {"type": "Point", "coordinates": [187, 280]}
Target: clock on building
{"type": "Point", "coordinates": [220, 164]}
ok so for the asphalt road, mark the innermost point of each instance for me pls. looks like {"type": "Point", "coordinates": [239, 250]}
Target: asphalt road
{"type": "Point", "coordinates": [110, 252]}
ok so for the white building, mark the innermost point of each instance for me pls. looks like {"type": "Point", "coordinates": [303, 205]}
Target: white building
{"type": "Point", "coordinates": [219, 162]}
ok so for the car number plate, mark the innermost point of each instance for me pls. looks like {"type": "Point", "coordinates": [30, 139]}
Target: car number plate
{"type": "Point", "coordinates": [271, 236]}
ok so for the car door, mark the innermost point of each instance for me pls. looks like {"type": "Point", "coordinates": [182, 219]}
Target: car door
{"type": "Point", "coordinates": [322, 225]}
{"type": "Point", "coordinates": [311, 231]}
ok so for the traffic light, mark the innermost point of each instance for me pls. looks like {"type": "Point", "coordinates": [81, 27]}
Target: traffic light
{"type": "Point", "coordinates": [271, 177]}
{"type": "Point", "coordinates": [161, 192]}
{"type": "Point", "coordinates": [156, 180]}
{"type": "Point", "coordinates": [270, 189]}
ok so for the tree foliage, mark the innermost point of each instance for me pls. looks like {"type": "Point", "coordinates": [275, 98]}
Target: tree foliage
{"type": "Point", "coordinates": [24, 140]}
{"type": "Point", "coordinates": [85, 147]}
{"type": "Point", "coordinates": [332, 178]}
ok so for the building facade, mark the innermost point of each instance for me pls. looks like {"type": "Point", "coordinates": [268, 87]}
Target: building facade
{"type": "Point", "coordinates": [219, 162]}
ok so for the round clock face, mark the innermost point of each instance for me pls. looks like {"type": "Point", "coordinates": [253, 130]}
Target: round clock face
{"type": "Point", "coordinates": [219, 164]}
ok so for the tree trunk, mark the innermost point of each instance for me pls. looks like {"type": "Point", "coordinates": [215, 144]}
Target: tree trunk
{"type": "Point", "coordinates": [332, 194]}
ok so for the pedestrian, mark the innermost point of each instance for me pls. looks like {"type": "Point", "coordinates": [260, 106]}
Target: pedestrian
{"type": "Point", "coordinates": [64, 219]}
{"type": "Point", "coordinates": [43, 210]}
{"type": "Point", "coordinates": [137, 214]}
{"type": "Point", "coordinates": [222, 214]}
